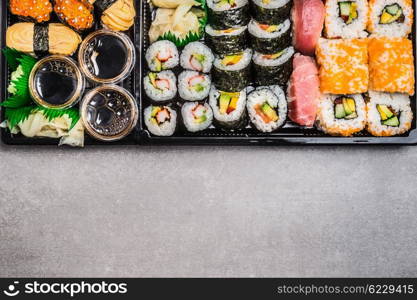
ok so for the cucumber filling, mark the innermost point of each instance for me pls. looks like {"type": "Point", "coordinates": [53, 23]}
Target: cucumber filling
{"type": "Point", "coordinates": [388, 116]}
{"type": "Point", "coordinates": [199, 113]}
{"type": "Point", "coordinates": [267, 112]}
{"type": "Point", "coordinates": [392, 14]}
{"type": "Point", "coordinates": [348, 11]}
{"type": "Point", "coordinates": [345, 108]}
{"type": "Point", "coordinates": [160, 115]}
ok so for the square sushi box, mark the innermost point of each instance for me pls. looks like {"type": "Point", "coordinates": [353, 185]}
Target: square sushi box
{"type": "Point", "coordinates": [200, 72]}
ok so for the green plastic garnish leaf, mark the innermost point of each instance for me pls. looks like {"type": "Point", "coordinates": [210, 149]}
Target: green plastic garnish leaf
{"type": "Point", "coordinates": [11, 56]}
{"type": "Point", "coordinates": [16, 115]}
{"type": "Point", "coordinates": [51, 114]}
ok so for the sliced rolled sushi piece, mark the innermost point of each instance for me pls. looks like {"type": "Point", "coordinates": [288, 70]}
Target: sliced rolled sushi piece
{"type": "Point", "coordinates": [226, 41]}
{"type": "Point", "coordinates": [37, 10]}
{"type": "Point", "coordinates": [162, 55]}
{"type": "Point", "coordinates": [78, 14]}
{"type": "Point", "coordinates": [267, 111]}
{"type": "Point", "coordinates": [271, 69]}
{"type": "Point", "coordinates": [223, 14]}
{"type": "Point", "coordinates": [197, 57]}
{"type": "Point", "coordinates": [232, 73]}
{"type": "Point", "coordinates": [269, 39]}
{"type": "Point", "coordinates": [346, 19]}
{"type": "Point", "coordinates": [193, 86]}
{"type": "Point", "coordinates": [271, 11]}
{"type": "Point", "coordinates": [388, 114]}
{"type": "Point", "coordinates": [160, 87]}
{"type": "Point", "coordinates": [341, 115]}
{"type": "Point", "coordinates": [196, 116]}
{"type": "Point", "coordinates": [160, 120]}
{"type": "Point", "coordinates": [228, 108]}
{"type": "Point", "coordinates": [390, 18]}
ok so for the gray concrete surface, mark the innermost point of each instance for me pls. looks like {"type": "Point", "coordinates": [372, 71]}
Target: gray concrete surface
{"type": "Point", "coordinates": [210, 211]}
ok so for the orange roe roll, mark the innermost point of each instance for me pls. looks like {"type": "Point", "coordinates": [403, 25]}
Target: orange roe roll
{"type": "Point", "coordinates": [343, 66]}
{"type": "Point", "coordinates": [38, 10]}
{"type": "Point", "coordinates": [391, 65]}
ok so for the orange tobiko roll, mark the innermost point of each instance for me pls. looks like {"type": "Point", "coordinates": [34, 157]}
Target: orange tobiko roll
{"type": "Point", "coordinates": [38, 10]}
{"type": "Point", "coordinates": [343, 66]}
{"type": "Point", "coordinates": [391, 65]}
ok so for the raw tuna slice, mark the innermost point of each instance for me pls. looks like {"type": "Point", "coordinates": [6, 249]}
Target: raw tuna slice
{"type": "Point", "coordinates": [303, 91]}
{"type": "Point", "coordinates": [308, 20]}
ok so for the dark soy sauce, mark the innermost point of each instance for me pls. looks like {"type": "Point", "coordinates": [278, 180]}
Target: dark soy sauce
{"type": "Point", "coordinates": [109, 113]}
{"type": "Point", "coordinates": [106, 56]}
{"type": "Point", "coordinates": [56, 82]}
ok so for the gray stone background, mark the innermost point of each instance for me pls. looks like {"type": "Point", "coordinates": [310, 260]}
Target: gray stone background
{"type": "Point", "coordinates": [209, 211]}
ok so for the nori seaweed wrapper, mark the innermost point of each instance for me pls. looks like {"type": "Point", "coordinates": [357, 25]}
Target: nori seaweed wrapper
{"type": "Point", "coordinates": [41, 39]}
{"type": "Point", "coordinates": [102, 5]}
{"type": "Point", "coordinates": [240, 123]}
{"type": "Point", "coordinates": [227, 44]}
{"type": "Point", "coordinates": [267, 75]}
{"type": "Point", "coordinates": [229, 18]}
{"type": "Point", "coordinates": [271, 16]}
{"type": "Point", "coordinates": [231, 81]}
{"type": "Point", "coordinates": [271, 46]}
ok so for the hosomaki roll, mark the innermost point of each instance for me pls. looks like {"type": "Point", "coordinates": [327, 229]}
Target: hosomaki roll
{"type": "Point", "coordinates": [388, 114]}
{"type": "Point", "coordinates": [346, 19]}
{"type": "Point", "coordinates": [390, 18]}
{"type": "Point", "coordinates": [270, 11]}
{"type": "Point", "coordinates": [343, 66]}
{"type": "Point", "coordinates": [227, 41]}
{"type": "Point", "coordinates": [341, 115]}
{"type": "Point", "coordinates": [227, 14]}
{"type": "Point", "coordinates": [270, 39]}
{"type": "Point", "coordinates": [391, 65]}
{"type": "Point", "coordinates": [51, 38]}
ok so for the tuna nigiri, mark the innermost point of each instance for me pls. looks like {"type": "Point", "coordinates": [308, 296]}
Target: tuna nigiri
{"type": "Point", "coordinates": [308, 20]}
{"type": "Point", "coordinates": [303, 91]}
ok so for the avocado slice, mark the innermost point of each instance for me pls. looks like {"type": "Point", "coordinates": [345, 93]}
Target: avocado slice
{"type": "Point", "coordinates": [224, 101]}
{"type": "Point", "coordinates": [199, 57]}
{"type": "Point", "coordinates": [232, 104]}
{"type": "Point", "coordinates": [231, 59]}
{"type": "Point", "coordinates": [198, 87]}
{"type": "Point", "coordinates": [392, 9]}
{"type": "Point", "coordinates": [339, 111]}
{"type": "Point", "coordinates": [201, 119]}
{"type": "Point", "coordinates": [152, 78]}
{"type": "Point", "coordinates": [158, 65]}
{"type": "Point", "coordinates": [384, 112]}
{"type": "Point", "coordinates": [155, 111]}
{"type": "Point", "coordinates": [391, 14]}
{"type": "Point", "coordinates": [394, 122]}
{"type": "Point", "coordinates": [269, 112]}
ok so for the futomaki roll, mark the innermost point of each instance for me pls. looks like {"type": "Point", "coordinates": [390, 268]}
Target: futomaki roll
{"type": "Point", "coordinates": [226, 41]}
{"type": "Point", "coordinates": [231, 73]}
{"type": "Point", "coordinates": [271, 11]}
{"type": "Point", "coordinates": [160, 86]}
{"type": "Point", "coordinates": [196, 116]}
{"type": "Point", "coordinates": [193, 86]}
{"type": "Point", "coordinates": [197, 57]}
{"type": "Point", "coordinates": [223, 14]}
{"type": "Point", "coordinates": [267, 110]}
{"type": "Point", "coordinates": [271, 69]}
{"type": "Point", "coordinates": [160, 120]}
{"type": "Point", "coordinates": [162, 55]}
{"type": "Point", "coordinates": [228, 108]}
{"type": "Point", "coordinates": [269, 39]}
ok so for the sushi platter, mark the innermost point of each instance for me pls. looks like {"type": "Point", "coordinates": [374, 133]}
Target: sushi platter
{"type": "Point", "coordinates": [200, 72]}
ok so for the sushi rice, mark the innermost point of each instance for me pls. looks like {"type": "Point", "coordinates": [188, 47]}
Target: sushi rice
{"type": "Point", "coordinates": [162, 55]}
{"type": "Point", "coordinates": [160, 120]}
{"type": "Point", "coordinates": [267, 111]}
{"type": "Point", "coordinates": [193, 86]}
{"type": "Point", "coordinates": [197, 57]}
{"type": "Point", "coordinates": [331, 123]}
{"type": "Point", "coordinates": [196, 116]}
{"type": "Point", "coordinates": [160, 86]}
{"type": "Point", "coordinates": [271, 12]}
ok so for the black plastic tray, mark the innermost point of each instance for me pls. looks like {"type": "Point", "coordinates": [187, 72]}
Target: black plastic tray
{"type": "Point", "coordinates": [290, 134]}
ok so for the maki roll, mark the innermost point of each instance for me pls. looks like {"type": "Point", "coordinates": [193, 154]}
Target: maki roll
{"type": "Point", "coordinates": [228, 108]}
{"type": "Point", "coordinates": [196, 116]}
{"type": "Point", "coordinates": [273, 69]}
{"type": "Point", "coordinates": [162, 55]}
{"type": "Point", "coordinates": [160, 120]}
{"type": "Point", "coordinates": [388, 114]}
{"type": "Point", "coordinates": [223, 14]}
{"type": "Point", "coordinates": [160, 86]}
{"type": "Point", "coordinates": [226, 41]}
{"type": "Point", "coordinates": [269, 39]}
{"type": "Point", "coordinates": [267, 110]}
{"type": "Point", "coordinates": [78, 14]}
{"type": "Point", "coordinates": [390, 18]}
{"type": "Point", "coordinates": [37, 10]}
{"type": "Point", "coordinates": [193, 86]}
{"type": "Point", "coordinates": [231, 73]}
{"type": "Point", "coordinates": [341, 115]}
{"type": "Point", "coordinates": [271, 11]}
{"type": "Point", "coordinates": [197, 57]}
{"type": "Point", "coordinates": [346, 19]}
